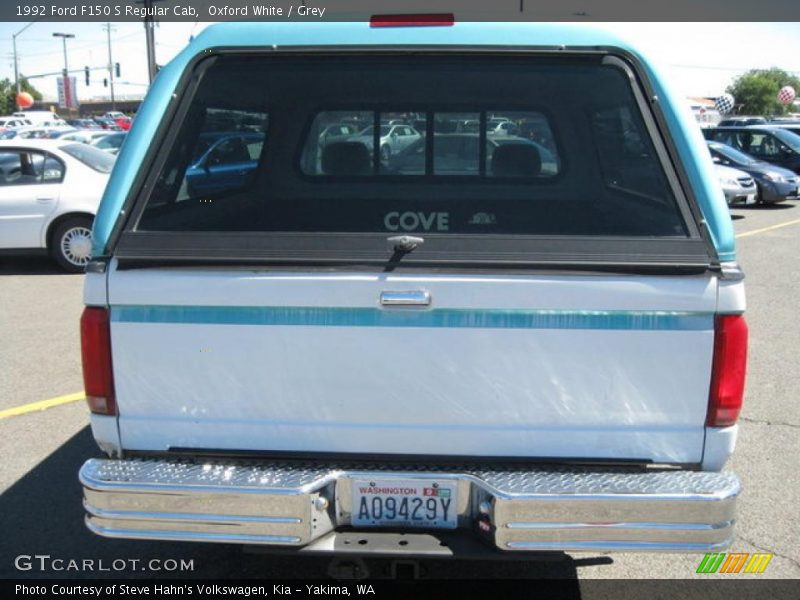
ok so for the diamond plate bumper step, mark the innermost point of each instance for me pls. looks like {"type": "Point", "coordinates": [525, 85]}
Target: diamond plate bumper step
{"type": "Point", "coordinates": [293, 505]}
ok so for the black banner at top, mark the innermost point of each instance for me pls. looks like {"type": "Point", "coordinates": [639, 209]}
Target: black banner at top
{"type": "Point", "coordinates": [356, 10]}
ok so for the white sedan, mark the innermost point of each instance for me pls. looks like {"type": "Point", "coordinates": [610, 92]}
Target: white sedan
{"type": "Point", "coordinates": [393, 139]}
{"type": "Point", "coordinates": [49, 194]}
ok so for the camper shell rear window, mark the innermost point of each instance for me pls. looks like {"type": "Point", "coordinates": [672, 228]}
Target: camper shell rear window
{"type": "Point", "coordinates": [319, 157]}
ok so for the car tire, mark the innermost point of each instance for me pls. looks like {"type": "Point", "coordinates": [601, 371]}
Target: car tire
{"type": "Point", "coordinates": [70, 245]}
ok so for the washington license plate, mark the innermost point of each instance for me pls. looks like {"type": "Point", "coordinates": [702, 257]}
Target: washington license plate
{"type": "Point", "coordinates": [405, 503]}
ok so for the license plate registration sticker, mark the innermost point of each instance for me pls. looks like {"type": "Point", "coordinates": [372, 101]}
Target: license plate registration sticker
{"type": "Point", "coordinates": [405, 503]}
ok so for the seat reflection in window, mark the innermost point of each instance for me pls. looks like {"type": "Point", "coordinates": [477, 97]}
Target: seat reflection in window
{"type": "Point", "coordinates": [516, 160]}
{"type": "Point", "coordinates": [347, 158]}
{"type": "Point", "coordinates": [224, 162]}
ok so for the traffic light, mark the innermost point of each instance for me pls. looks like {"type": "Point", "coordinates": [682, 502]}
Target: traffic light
{"type": "Point", "coordinates": [116, 69]}
{"type": "Point", "coordinates": [86, 74]}
{"type": "Point", "coordinates": [105, 82]}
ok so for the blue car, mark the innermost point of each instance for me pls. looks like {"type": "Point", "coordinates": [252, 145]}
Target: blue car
{"type": "Point", "coordinates": [775, 184]}
{"type": "Point", "coordinates": [223, 162]}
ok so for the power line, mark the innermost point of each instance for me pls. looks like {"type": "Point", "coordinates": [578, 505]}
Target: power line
{"type": "Point", "coordinates": [84, 46]}
{"type": "Point", "coordinates": [734, 69]}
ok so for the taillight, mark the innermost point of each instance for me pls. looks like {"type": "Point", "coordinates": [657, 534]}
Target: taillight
{"type": "Point", "coordinates": [728, 372]}
{"type": "Point", "coordinates": [98, 379]}
{"type": "Point", "coordinates": [432, 20]}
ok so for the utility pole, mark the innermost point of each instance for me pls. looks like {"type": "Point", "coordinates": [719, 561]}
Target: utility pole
{"type": "Point", "coordinates": [109, 29]}
{"type": "Point", "coordinates": [16, 57]}
{"type": "Point", "coordinates": [64, 37]}
{"type": "Point", "coordinates": [149, 30]}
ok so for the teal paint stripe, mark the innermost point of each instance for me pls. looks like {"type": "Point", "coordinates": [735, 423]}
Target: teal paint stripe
{"type": "Point", "coordinates": [450, 318]}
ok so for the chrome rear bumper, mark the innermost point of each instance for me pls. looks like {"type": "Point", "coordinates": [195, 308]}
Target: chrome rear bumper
{"type": "Point", "coordinates": [282, 504]}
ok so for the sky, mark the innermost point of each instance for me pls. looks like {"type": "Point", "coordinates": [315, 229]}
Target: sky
{"type": "Point", "coordinates": [700, 59]}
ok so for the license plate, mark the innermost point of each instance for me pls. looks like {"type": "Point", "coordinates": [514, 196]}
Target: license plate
{"type": "Point", "coordinates": [404, 503]}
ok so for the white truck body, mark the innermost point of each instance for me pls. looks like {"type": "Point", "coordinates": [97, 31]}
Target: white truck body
{"type": "Point", "coordinates": [288, 339]}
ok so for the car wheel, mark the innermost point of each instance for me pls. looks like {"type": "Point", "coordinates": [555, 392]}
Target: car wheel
{"type": "Point", "coordinates": [71, 244]}
{"type": "Point", "coordinates": [386, 153]}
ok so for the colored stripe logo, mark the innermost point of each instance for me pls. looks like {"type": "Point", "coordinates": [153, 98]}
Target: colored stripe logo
{"type": "Point", "coordinates": [373, 317]}
{"type": "Point", "coordinates": [741, 562]}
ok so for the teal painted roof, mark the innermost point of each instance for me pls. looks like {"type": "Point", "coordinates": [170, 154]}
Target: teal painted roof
{"type": "Point", "coordinates": [684, 130]}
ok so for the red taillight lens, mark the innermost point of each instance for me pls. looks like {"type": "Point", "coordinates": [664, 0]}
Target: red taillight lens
{"type": "Point", "coordinates": [98, 379]}
{"type": "Point", "coordinates": [728, 374]}
{"type": "Point", "coordinates": [434, 20]}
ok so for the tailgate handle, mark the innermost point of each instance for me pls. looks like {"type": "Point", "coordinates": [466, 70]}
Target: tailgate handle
{"type": "Point", "coordinates": [415, 298]}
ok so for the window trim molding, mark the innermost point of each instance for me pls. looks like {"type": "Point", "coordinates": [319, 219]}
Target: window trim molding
{"type": "Point", "coordinates": [47, 154]}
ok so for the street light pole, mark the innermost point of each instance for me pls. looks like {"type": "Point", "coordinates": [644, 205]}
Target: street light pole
{"type": "Point", "coordinates": [64, 37]}
{"type": "Point", "coordinates": [67, 94]}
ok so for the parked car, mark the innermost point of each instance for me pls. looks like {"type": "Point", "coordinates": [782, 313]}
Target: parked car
{"type": "Point", "coordinates": [393, 138]}
{"type": "Point", "coordinates": [479, 350]}
{"type": "Point", "coordinates": [82, 123]}
{"type": "Point", "coordinates": [123, 122]}
{"type": "Point", "coordinates": [336, 132]}
{"type": "Point", "coordinates": [770, 144]}
{"type": "Point", "coordinates": [110, 143]}
{"type": "Point", "coordinates": [775, 184]}
{"type": "Point", "coordinates": [49, 193]}
{"type": "Point", "coordinates": [792, 126]}
{"type": "Point", "coordinates": [41, 118]}
{"type": "Point", "coordinates": [54, 134]}
{"type": "Point", "coordinates": [108, 124]}
{"type": "Point", "coordinates": [86, 136]}
{"type": "Point", "coordinates": [501, 127]}
{"type": "Point", "coordinates": [741, 121]}
{"type": "Point", "coordinates": [12, 122]}
{"type": "Point", "coordinates": [27, 132]}
{"type": "Point", "coordinates": [225, 163]}
{"type": "Point", "coordinates": [738, 186]}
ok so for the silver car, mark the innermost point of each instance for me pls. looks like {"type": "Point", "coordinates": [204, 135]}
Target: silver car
{"type": "Point", "coordinates": [393, 139]}
{"type": "Point", "coordinates": [739, 187]}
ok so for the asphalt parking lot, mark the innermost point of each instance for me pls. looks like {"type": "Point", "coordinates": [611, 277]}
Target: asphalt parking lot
{"type": "Point", "coordinates": [43, 449]}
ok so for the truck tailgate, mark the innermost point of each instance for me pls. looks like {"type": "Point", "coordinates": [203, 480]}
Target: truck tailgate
{"type": "Point", "coordinates": [565, 366]}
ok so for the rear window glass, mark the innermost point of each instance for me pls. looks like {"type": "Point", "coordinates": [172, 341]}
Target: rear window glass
{"type": "Point", "coordinates": [334, 147]}
{"type": "Point", "coordinates": [91, 157]}
{"type": "Point", "coordinates": [441, 144]}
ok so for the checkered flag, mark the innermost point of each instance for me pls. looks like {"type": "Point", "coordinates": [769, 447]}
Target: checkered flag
{"type": "Point", "coordinates": [786, 95]}
{"type": "Point", "coordinates": [724, 104]}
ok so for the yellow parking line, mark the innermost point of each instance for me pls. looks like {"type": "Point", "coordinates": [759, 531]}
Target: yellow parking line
{"type": "Point", "coordinates": [41, 405]}
{"type": "Point", "coordinates": [770, 228]}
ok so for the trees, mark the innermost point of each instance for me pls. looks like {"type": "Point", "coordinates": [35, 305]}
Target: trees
{"type": "Point", "coordinates": [756, 91]}
{"type": "Point", "coordinates": [8, 94]}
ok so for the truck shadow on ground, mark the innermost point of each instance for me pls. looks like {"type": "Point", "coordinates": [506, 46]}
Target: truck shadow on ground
{"type": "Point", "coordinates": [45, 517]}
{"type": "Point", "coordinates": [31, 265]}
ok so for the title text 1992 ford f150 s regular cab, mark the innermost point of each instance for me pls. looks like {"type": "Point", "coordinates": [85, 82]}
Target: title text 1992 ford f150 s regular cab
{"type": "Point", "coordinates": [530, 339]}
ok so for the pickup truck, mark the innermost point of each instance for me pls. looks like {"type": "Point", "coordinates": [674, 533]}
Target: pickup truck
{"type": "Point", "coordinates": [326, 353]}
